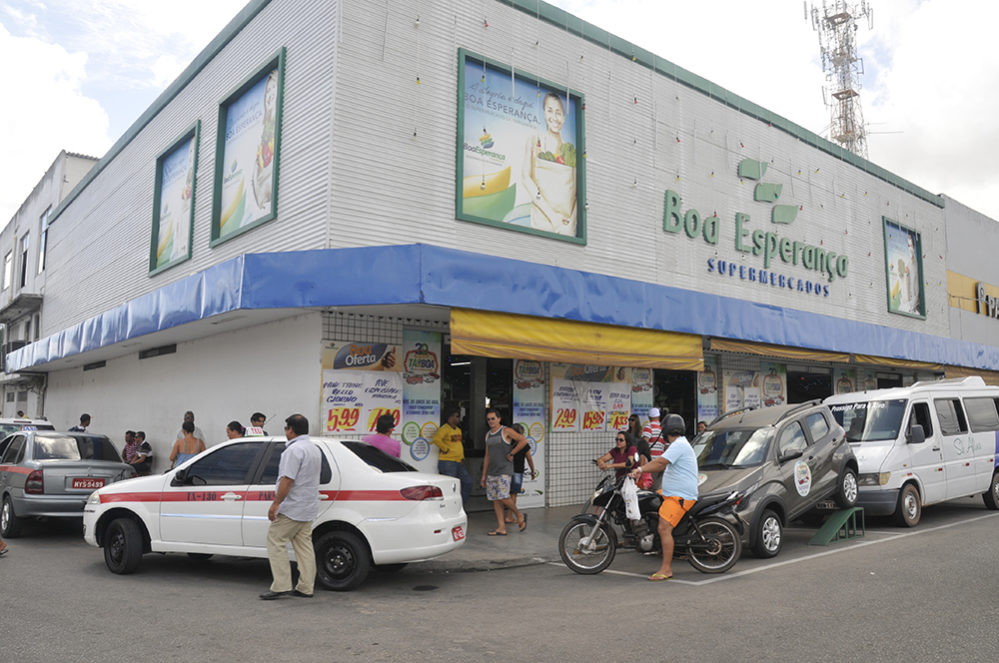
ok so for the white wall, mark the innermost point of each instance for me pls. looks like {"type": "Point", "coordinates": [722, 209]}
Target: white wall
{"type": "Point", "coordinates": [99, 246]}
{"type": "Point", "coordinates": [390, 186]}
{"type": "Point", "coordinates": [217, 377]}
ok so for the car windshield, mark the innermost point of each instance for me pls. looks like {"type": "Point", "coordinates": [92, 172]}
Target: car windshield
{"type": "Point", "coordinates": [377, 458]}
{"type": "Point", "coordinates": [719, 449]}
{"type": "Point", "coordinates": [70, 447]}
{"type": "Point", "coordinates": [870, 421]}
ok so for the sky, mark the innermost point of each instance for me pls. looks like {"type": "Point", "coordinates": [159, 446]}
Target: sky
{"type": "Point", "coordinates": [84, 70]}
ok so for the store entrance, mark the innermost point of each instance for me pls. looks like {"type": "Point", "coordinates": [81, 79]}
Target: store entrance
{"type": "Point", "coordinates": [803, 386]}
{"type": "Point", "coordinates": [675, 392]}
{"type": "Point", "coordinates": [473, 385]}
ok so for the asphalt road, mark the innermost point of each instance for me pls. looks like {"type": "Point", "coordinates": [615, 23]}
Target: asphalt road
{"type": "Point", "coordinates": [925, 594]}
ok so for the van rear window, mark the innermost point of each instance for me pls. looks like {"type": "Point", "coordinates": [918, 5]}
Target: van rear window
{"type": "Point", "coordinates": [870, 421]}
{"type": "Point", "coordinates": [982, 414]}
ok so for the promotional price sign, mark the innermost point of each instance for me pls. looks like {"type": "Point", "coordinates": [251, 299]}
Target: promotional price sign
{"type": "Point", "coordinates": [594, 406]}
{"type": "Point", "coordinates": [353, 400]}
{"type": "Point", "coordinates": [565, 406]}
{"type": "Point", "coordinates": [618, 405]}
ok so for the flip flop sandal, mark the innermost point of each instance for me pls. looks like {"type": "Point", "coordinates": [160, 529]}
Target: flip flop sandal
{"type": "Point", "coordinates": [659, 577]}
{"type": "Point", "coordinates": [523, 525]}
{"type": "Point", "coordinates": [496, 533]}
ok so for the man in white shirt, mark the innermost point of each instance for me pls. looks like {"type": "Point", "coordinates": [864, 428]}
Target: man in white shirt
{"type": "Point", "coordinates": [295, 506]}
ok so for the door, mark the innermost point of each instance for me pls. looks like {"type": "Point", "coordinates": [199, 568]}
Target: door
{"type": "Point", "coordinates": [13, 477]}
{"type": "Point", "coordinates": [925, 458]}
{"type": "Point", "coordinates": [983, 418]}
{"type": "Point", "coordinates": [206, 504]}
{"type": "Point", "coordinates": [820, 453]}
{"type": "Point", "coordinates": [797, 473]}
{"type": "Point", "coordinates": [261, 494]}
{"type": "Point", "coordinates": [957, 446]}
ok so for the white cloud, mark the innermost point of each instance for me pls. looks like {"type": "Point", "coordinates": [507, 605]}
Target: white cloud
{"type": "Point", "coordinates": [43, 113]}
{"type": "Point", "coordinates": [930, 75]}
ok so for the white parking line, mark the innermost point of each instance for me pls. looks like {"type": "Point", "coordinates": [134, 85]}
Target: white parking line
{"type": "Point", "coordinates": [852, 546]}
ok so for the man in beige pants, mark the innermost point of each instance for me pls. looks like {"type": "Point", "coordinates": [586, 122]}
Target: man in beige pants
{"type": "Point", "coordinates": [295, 506]}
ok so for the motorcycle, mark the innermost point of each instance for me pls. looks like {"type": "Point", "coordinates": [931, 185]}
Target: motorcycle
{"type": "Point", "coordinates": [589, 541]}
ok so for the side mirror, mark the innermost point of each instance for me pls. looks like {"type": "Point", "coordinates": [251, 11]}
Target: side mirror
{"type": "Point", "coordinates": [790, 455]}
{"type": "Point", "coordinates": [179, 478]}
{"type": "Point", "coordinates": [916, 434]}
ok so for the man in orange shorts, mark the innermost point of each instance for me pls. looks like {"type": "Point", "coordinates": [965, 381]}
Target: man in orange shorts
{"type": "Point", "coordinates": [679, 489]}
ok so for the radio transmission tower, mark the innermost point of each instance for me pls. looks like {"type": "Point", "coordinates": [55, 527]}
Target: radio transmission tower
{"type": "Point", "coordinates": [836, 23]}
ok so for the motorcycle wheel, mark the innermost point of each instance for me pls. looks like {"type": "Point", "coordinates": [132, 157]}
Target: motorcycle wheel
{"type": "Point", "coordinates": [590, 559]}
{"type": "Point", "coordinates": [721, 549]}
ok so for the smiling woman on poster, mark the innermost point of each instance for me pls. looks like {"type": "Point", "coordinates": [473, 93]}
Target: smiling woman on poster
{"type": "Point", "coordinates": [263, 179]}
{"type": "Point", "coordinates": [549, 173]}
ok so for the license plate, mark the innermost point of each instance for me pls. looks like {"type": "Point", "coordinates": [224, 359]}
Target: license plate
{"type": "Point", "coordinates": [89, 483]}
{"type": "Point", "coordinates": [458, 533]}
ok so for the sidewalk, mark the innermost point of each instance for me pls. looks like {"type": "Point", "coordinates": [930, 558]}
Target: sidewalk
{"type": "Point", "coordinates": [535, 545]}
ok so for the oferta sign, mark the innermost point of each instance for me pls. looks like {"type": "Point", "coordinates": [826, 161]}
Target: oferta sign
{"type": "Point", "coordinates": [775, 249]}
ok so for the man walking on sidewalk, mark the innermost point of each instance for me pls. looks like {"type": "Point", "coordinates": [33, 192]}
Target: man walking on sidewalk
{"type": "Point", "coordinates": [295, 506]}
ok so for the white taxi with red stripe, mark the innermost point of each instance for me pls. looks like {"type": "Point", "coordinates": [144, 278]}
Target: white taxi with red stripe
{"type": "Point", "coordinates": [374, 510]}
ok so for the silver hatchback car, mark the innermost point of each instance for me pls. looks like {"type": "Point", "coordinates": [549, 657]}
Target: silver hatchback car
{"type": "Point", "coordinates": [51, 474]}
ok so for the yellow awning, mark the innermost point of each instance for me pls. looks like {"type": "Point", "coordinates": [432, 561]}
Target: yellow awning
{"type": "Point", "coordinates": [779, 351]}
{"type": "Point", "coordinates": [897, 363]}
{"type": "Point", "coordinates": [505, 335]}
{"type": "Point", "coordinates": [990, 377]}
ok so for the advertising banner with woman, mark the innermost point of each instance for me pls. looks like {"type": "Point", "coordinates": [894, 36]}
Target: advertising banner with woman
{"type": "Point", "coordinates": [903, 269]}
{"type": "Point", "coordinates": [173, 203]}
{"type": "Point", "coordinates": [246, 168]}
{"type": "Point", "coordinates": [520, 150]}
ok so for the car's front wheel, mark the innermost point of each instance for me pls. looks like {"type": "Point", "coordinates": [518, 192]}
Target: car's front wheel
{"type": "Point", "coordinates": [991, 496]}
{"type": "Point", "coordinates": [769, 535]}
{"type": "Point", "coordinates": [10, 524]}
{"type": "Point", "coordinates": [342, 561]}
{"type": "Point", "coordinates": [846, 496]}
{"type": "Point", "coordinates": [123, 546]}
{"type": "Point", "coordinates": [909, 509]}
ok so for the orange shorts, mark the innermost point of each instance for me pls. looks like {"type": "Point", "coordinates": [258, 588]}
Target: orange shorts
{"type": "Point", "coordinates": [673, 508]}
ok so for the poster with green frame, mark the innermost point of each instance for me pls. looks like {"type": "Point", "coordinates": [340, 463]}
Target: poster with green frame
{"type": "Point", "coordinates": [904, 270]}
{"type": "Point", "coordinates": [247, 153]}
{"type": "Point", "coordinates": [173, 202]}
{"type": "Point", "coordinates": [520, 158]}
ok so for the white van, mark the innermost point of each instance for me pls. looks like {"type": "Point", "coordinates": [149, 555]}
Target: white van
{"type": "Point", "coordinates": [922, 444]}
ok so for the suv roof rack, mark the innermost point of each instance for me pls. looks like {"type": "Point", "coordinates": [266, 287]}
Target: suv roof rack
{"type": "Point", "coordinates": [726, 415]}
{"type": "Point", "coordinates": [801, 406]}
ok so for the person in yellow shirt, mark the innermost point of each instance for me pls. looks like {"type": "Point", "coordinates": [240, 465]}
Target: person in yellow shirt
{"type": "Point", "coordinates": [452, 453]}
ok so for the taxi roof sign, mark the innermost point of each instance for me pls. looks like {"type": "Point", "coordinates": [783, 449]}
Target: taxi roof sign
{"type": "Point", "coordinates": [254, 431]}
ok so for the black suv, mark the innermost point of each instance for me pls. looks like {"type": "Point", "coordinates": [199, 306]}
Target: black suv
{"type": "Point", "coordinates": [785, 460]}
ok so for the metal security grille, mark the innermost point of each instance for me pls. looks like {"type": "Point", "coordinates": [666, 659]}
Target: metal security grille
{"type": "Point", "coordinates": [571, 474]}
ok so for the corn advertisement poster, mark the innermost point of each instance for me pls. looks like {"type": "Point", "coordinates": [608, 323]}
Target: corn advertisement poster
{"type": "Point", "coordinates": [520, 155]}
{"type": "Point", "coordinates": [248, 159]}
{"type": "Point", "coordinates": [174, 212]}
